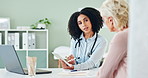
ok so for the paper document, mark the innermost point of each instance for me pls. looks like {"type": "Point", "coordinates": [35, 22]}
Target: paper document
{"type": "Point", "coordinates": [76, 73]}
{"type": "Point", "coordinates": [92, 73]}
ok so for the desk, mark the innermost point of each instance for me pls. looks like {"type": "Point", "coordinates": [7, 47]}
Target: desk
{"type": "Point", "coordinates": [5, 74]}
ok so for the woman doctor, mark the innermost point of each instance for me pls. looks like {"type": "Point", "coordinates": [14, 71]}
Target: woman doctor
{"type": "Point", "coordinates": [86, 44]}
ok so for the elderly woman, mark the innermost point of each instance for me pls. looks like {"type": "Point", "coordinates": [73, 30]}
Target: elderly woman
{"type": "Point", "coordinates": [115, 16]}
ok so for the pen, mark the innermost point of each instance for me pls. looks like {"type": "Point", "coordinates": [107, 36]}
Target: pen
{"type": "Point", "coordinates": [71, 60]}
{"type": "Point", "coordinates": [73, 70]}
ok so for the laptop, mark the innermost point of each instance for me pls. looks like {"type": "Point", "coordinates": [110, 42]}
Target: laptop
{"type": "Point", "coordinates": [12, 63]}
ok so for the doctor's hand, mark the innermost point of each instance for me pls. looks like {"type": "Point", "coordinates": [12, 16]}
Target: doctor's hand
{"type": "Point", "coordinates": [71, 59]}
{"type": "Point", "coordinates": [65, 66]}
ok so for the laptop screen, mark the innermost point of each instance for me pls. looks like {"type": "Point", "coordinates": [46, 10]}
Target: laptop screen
{"type": "Point", "coordinates": [10, 59]}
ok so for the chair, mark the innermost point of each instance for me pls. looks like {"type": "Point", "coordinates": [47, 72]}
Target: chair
{"type": "Point", "coordinates": [64, 51]}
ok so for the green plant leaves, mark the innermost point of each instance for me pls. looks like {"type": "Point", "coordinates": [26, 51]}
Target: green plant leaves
{"type": "Point", "coordinates": [41, 21]}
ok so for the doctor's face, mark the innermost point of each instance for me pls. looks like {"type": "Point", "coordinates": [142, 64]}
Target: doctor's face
{"type": "Point", "coordinates": [84, 23]}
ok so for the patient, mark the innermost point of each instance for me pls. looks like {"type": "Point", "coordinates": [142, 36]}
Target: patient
{"type": "Point", "coordinates": [115, 15]}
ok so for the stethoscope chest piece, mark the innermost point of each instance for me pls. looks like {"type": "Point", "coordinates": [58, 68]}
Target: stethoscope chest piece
{"type": "Point", "coordinates": [89, 54]}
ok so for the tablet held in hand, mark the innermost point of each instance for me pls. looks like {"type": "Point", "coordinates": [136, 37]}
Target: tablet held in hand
{"type": "Point", "coordinates": [58, 56]}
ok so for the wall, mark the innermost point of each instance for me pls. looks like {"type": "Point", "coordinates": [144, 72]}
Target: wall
{"type": "Point", "coordinates": [27, 12]}
{"type": "Point", "coordinates": [138, 40]}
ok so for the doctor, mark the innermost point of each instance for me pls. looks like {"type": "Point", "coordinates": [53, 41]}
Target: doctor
{"type": "Point", "coordinates": [86, 44]}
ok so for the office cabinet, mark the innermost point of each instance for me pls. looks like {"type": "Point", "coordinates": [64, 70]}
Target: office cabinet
{"type": "Point", "coordinates": [28, 43]}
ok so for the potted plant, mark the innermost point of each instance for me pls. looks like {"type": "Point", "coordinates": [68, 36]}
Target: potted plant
{"type": "Point", "coordinates": [41, 24]}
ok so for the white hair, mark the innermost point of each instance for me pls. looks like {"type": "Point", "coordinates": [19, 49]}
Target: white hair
{"type": "Point", "coordinates": [118, 9]}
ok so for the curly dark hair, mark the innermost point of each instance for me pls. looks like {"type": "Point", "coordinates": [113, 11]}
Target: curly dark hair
{"type": "Point", "coordinates": [92, 14]}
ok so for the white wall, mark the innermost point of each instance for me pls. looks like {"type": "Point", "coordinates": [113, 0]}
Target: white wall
{"type": "Point", "coordinates": [138, 39]}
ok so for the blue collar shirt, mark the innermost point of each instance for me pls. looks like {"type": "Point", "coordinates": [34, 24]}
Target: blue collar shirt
{"type": "Point", "coordinates": [82, 52]}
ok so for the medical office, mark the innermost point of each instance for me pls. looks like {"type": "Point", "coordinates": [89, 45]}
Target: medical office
{"type": "Point", "coordinates": [23, 13]}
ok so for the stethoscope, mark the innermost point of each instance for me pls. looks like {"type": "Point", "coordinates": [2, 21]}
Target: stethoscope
{"type": "Point", "coordinates": [89, 54]}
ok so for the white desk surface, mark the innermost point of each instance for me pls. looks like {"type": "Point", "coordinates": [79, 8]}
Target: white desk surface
{"type": "Point", "coordinates": [55, 74]}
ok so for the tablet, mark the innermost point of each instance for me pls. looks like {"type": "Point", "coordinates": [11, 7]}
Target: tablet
{"type": "Point", "coordinates": [58, 56]}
